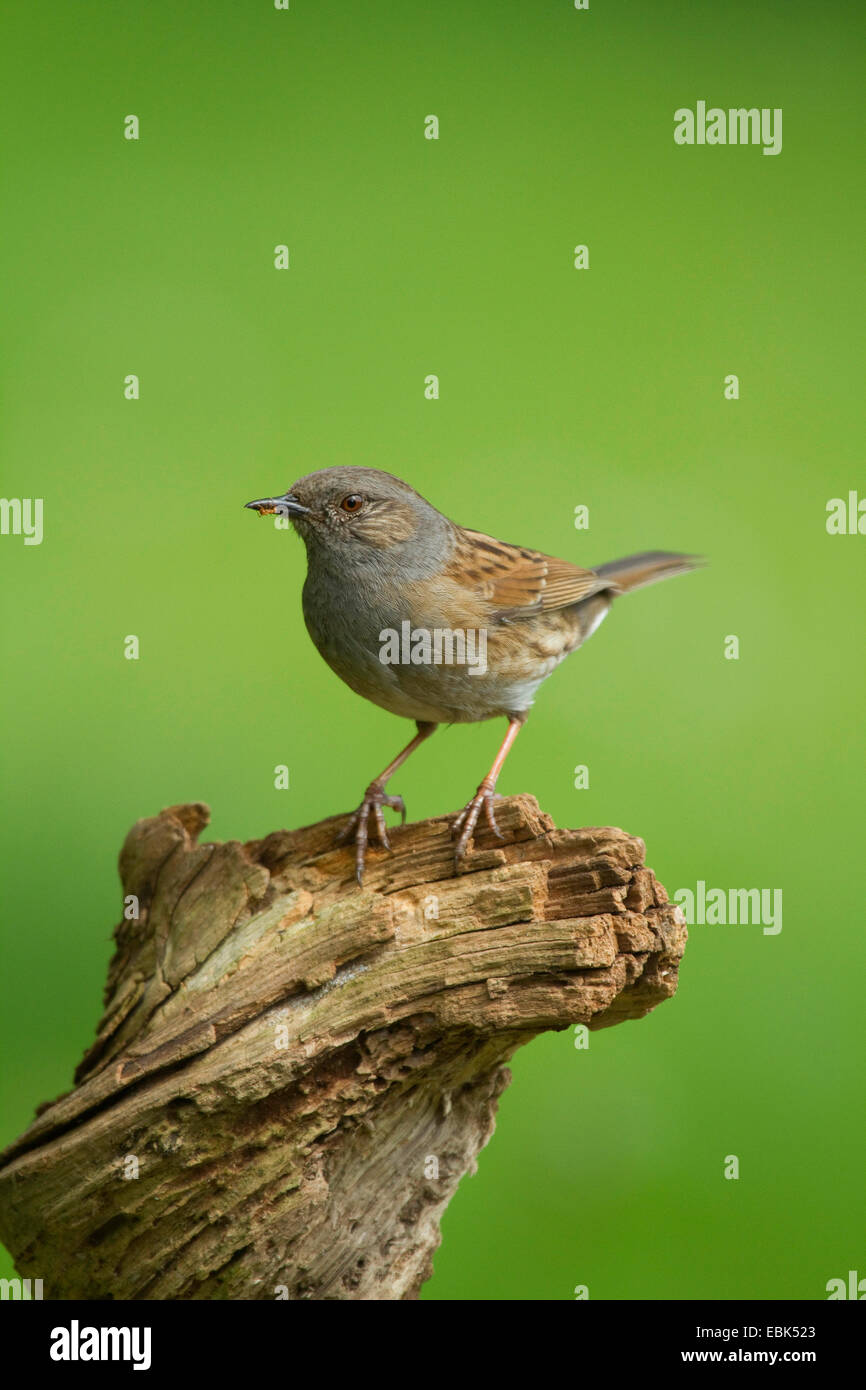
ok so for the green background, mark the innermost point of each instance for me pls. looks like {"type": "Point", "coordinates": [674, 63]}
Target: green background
{"type": "Point", "coordinates": [558, 387]}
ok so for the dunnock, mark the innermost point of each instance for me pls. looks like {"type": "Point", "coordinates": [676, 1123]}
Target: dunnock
{"type": "Point", "coordinates": [435, 622]}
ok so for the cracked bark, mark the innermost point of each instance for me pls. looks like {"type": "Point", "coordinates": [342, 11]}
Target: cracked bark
{"type": "Point", "coordinates": [301, 1071]}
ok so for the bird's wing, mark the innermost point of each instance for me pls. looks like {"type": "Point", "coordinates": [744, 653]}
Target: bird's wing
{"type": "Point", "coordinates": [513, 582]}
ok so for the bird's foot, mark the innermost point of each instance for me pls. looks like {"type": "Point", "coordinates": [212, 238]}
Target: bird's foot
{"type": "Point", "coordinates": [467, 820]}
{"type": "Point", "coordinates": [358, 828]}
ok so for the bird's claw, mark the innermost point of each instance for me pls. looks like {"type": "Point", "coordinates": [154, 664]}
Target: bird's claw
{"type": "Point", "coordinates": [358, 826]}
{"type": "Point", "coordinates": [467, 820]}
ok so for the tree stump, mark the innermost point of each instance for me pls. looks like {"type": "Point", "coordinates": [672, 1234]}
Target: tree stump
{"type": "Point", "coordinates": [292, 1074]}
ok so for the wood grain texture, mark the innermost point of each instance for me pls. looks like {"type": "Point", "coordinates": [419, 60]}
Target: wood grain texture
{"type": "Point", "coordinates": [289, 1059]}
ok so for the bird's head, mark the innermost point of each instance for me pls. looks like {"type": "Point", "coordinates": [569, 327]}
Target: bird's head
{"type": "Point", "coordinates": [357, 509]}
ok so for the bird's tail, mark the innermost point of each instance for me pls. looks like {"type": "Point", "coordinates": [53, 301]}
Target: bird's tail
{"type": "Point", "coordinates": [636, 570]}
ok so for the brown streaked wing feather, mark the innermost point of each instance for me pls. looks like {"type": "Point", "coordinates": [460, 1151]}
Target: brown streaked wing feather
{"type": "Point", "coordinates": [514, 582]}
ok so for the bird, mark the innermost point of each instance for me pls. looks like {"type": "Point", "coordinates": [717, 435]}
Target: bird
{"type": "Point", "coordinates": [438, 623]}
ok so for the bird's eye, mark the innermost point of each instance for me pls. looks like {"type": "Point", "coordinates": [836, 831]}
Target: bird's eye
{"type": "Point", "coordinates": [353, 503]}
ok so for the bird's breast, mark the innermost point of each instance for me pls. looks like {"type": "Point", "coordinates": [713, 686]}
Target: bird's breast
{"type": "Point", "coordinates": [424, 652]}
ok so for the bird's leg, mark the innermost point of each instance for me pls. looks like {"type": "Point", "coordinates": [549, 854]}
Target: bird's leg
{"type": "Point", "coordinates": [375, 798]}
{"type": "Point", "coordinates": [468, 817]}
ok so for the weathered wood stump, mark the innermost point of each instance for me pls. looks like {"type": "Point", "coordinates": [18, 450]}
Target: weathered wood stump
{"type": "Point", "coordinates": [292, 1074]}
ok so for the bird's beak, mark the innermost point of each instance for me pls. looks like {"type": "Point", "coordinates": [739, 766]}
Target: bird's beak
{"type": "Point", "coordinates": [287, 505]}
